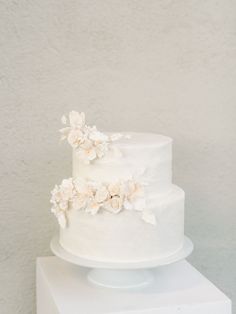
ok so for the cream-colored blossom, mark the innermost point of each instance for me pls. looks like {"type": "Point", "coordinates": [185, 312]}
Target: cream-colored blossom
{"type": "Point", "coordinates": [63, 205]}
{"type": "Point", "coordinates": [87, 151]}
{"type": "Point", "coordinates": [55, 208]}
{"type": "Point", "coordinates": [80, 185]}
{"type": "Point", "coordinates": [97, 136]}
{"type": "Point", "coordinates": [101, 194]}
{"type": "Point", "coordinates": [134, 196]}
{"type": "Point", "coordinates": [67, 189]}
{"type": "Point", "coordinates": [75, 132]}
{"type": "Point", "coordinates": [75, 137]}
{"type": "Point", "coordinates": [79, 201]}
{"type": "Point", "coordinates": [101, 149]}
{"type": "Point", "coordinates": [77, 120]}
{"type": "Point", "coordinates": [114, 204]}
{"type": "Point", "coordinates": [61, 217]}
{"type": "Point", "coordinates": [88, 141]}
{"type": "Point", "coordinates": [115, 188]}
{"type": "Point", "coordinates": [60, 198]}
{"type": "Point", "coordinates": [56, 195]}
{"type": "Point", "coordinates": [134, 189]}
{"type": "Point", "coordinates": [93, 206]}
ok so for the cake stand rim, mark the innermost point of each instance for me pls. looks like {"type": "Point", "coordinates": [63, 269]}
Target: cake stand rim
{"type": "Point", "coordinates": [181, 254]}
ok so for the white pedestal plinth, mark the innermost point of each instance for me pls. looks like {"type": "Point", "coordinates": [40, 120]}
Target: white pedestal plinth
{"type": "Point", "coordinates": [63, 288]}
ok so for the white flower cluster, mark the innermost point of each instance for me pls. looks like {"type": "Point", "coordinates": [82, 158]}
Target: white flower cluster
{"type": "Point", "coordinates": [89, 143]}
{"type": "Point", "coordinates": [93, 197]}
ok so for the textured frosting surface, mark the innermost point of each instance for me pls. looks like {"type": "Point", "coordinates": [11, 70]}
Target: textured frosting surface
{"type": "Point", "coordinates": [125, 236]}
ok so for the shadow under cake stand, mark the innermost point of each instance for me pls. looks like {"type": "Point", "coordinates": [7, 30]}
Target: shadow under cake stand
{"type": "Point", "coordinates": [121, 274]}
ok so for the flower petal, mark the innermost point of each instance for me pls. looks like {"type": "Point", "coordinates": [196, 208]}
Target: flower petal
{"type": "Point", "coordinates": [61, 217]}
{"type": "Point", "coordinates": [98, 136]}
{"type": "Point", "coordinates": [91, 154]}
{"type": "Point", "coordinates": [93, 207]}
{"type": "Point", "coordinates": [149, 217]}
{"type": "Point", "coordinates": [77, 119]}
{"type": "Point", "coordinates": [64, 132]}
{"type": "Point", "coordinates": [115, 136]}
{"type": "Point", "coordinates": [101, 194]}
{"type": "Point", "coordinates": [63, 119]}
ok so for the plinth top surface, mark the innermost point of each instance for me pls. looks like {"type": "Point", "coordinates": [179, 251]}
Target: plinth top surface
{"type": "Point", "coordinates": [176, 288]}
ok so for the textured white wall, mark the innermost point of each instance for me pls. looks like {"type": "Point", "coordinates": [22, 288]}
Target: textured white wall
{"type": "Point", "coordinates": [164, 66]}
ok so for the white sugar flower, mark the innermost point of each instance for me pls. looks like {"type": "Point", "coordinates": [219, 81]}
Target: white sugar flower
{"type": "Point", "coordinates": [74, 133]}
{"type": "Point", "coordinates": [134, 196]}
{"type": "Point", "coordinates": [134, 189]}
{"type": "Point", "coordinates": [115, 188]}
{"type": "Point", "coordinates": [81, 186]}
{"type": "Point", "coordinates": [61, 217]}
{"type": "Point", "coordinates": [97, 199]}
{"type": "Point", "coordinates": [67, 189]}
{"type": "Point", "coordinates": [87, 151]}
{"type": "Point", "coordinates": [114, 204]}
{"type": "Point", "coordinates": [101, 194]}
{"type": "Point", "coordinates": [63, 119]}
{"type": "Point", "coordinates": [63, 205]}
{"type": "Point", "coordinates": [77, 120]}
{"type": "Point", "coordinates": [79, 201]}
{"type": "Point", "coordinates": [55, 208]}
{"type": "Point", "coordinates": [93, 207]}
{"type": "Point", "coordinates": [56, 195]}
{"type": "Point", "coordinates": [88, 141]}
{"type": "Point", "coordinates": [75, 137]}
{"type": "Point", "coordinates": [83, 191]}
{"type": "Point", "coordinates": [97, 136]}
{"type": "Point", "coordinates": [115, 136]}
{"type": "Point", "coordinates": [101, 149]}
{"type": "Point", "coordinates": [61, 197]}
{"type": "Point", "coordinates": [100, 141]}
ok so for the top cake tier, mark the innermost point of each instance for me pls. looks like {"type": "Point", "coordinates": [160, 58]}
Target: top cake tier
{"type": "Point", "coordinates": [145, 156]}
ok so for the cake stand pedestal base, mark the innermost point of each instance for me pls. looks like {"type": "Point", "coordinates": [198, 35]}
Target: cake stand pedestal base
{"type": "Point", "coordinates": [123, 279]}
{"type": "Point", "coordinates": [64, 288]}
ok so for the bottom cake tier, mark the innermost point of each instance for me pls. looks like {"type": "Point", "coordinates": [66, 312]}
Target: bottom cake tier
{"type": "Point", "coordinates": [125, 237]}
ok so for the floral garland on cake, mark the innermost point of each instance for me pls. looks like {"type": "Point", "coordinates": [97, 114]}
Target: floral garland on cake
{"type": "Point", "coordinates": [92, 197]}
{"type": "Point", "coordinates": [89, 143]}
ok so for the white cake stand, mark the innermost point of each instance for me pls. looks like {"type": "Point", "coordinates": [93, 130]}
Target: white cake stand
{"type": "Point", "coordinates": [121, 274]}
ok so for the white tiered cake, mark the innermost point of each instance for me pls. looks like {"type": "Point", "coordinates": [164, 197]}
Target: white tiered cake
{"type": "Point", "coordinates": [120, 205]}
